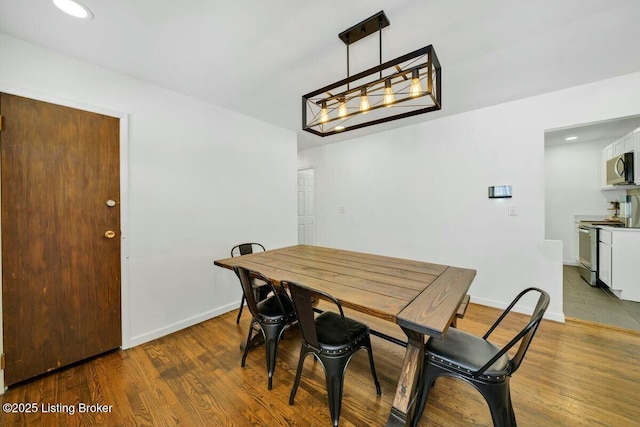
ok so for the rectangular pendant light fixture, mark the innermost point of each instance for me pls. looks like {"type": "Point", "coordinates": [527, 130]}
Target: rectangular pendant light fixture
{"type": "Point", "coordinates": [403, 87]}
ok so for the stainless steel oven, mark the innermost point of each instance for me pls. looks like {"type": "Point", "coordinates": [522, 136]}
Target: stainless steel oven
{"type": "Point", "coordinates": [588, 253]}
{"type": "Point", "coordinates": [588, 248]}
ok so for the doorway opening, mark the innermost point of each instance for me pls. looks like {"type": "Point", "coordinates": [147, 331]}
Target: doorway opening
{"type": "Point", "coordinates": [306, 207]}
{"type": "Point", "coordinates": [574, 191]}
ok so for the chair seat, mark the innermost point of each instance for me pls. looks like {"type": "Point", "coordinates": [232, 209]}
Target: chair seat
{"type": "Point", "coordinates": [467, 353]}
{"type": "Point", "coordinates": [330, 330]}
{"type": "Point", "coordinates": [269, 310]}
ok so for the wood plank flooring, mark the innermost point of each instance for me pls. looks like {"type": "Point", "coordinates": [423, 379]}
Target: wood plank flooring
{"type": "Point", "coordinates": [574, 375]}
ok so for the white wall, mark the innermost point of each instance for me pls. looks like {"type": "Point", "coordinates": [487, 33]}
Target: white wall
{"type": "Point", "coordinates": [421, 191]}
{"type": "Point", "coordinates": [200, 179]}
{"type": "Point", "coordinates": [573, 188]}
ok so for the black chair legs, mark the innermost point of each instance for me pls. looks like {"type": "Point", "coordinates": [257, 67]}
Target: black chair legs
{"type": "Point", "coordinates": [373, 367]}
{"type": "Point", "coordinates": [427, 379]}
{"type": "Point", "coordinates": [273, 314]}
{"type": "Point", "coordinates": [496, 394]}
{"type": "Point", "coordinates": [296, 382]}
{"type": "Point", "coordinates": [247, 345]}
{"type": "Point", "coordinates": [272, 335]}
{"type": "Point", "coordinates": [499, 401]}
{"type": "Point", "coordinates": [334, 373]}
{"type": "Point", "coordinates": [240, 311]}
{"type": "Point", "coordinates": [334, 368]}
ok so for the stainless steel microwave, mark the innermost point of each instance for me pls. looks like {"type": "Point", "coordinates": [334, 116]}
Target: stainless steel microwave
{"type": "Point", "coordinates": [620, 169]}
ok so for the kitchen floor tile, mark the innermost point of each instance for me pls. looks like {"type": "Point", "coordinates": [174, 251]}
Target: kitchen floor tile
{"type": "Point", "coordinates": [579, 311]}
{"type": "Point", "coordinates": [599, 298]}
{"type": "Point", "coordinates": [596, 304]}
{"type": "Point", "coordinates": [633, 308]}
{"type": "Point", "coordinates": [619, 318]}
{"type": "Point", "coordinates": [572, 296]}
{"type": "Point", "coordinates": [585, 289]}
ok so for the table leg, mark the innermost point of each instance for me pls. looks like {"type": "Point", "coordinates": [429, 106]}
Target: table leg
{"type": "Point", "coordinates": [404, 400]}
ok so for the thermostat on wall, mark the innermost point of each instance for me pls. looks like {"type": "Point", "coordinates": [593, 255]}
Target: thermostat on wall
{"type": "Point", "coordinates": [499, 191]}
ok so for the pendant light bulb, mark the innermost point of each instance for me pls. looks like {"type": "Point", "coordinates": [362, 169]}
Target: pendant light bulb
{"type": "Point", "coordinates": [342, 109]}
{"type": "Point", "coordinates": [389, 98]}
{"type": "Point", "coordinates": [324, 113]}
{"type": "Point", "coordinates": [416, 89]}
{"type": "Point", "coordinates": [364, 101]}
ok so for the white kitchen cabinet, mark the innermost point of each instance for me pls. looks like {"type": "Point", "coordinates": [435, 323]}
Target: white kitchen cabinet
{"type": "Point", "coordinates": [624, 144]}
{"type": "Point", "coordinates": [628, 143]}
{"type": "Point", "coordinates": [604, 257]}
{"type": "Point", "coordinates": [606, 154]}
{"type": "Point", "coordinates": [619, 252]}
{"type": "Point", "coordinates": [618, 148]}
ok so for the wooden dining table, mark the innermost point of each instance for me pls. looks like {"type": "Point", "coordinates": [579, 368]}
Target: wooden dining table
{"type": "Point", "coordinates": [421, 297]}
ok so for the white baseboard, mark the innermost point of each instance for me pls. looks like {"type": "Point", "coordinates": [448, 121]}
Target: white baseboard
{"type": "Point", "coordinates": [169, 329]}
{"type": "Point", "coordinates": [556, 317]}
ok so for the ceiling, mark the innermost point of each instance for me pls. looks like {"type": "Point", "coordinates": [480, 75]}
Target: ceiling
{"type": "Point", "coordinates": [605, 131]}
{"type": "Point", "coordinates": [259, 57]}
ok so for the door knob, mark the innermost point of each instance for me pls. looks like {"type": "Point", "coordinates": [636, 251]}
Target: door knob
{"type": "Point", "coordinates": [110, 234]}
{"type": "Point", "coordinates": [111, 203]}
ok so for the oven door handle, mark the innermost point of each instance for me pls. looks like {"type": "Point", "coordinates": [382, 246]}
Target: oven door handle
{"type": "Point", "coordinates": [585, 230]}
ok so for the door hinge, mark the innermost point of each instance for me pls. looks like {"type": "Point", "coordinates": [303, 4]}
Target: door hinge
{"type": "Point", "coordinates": [0, 123]}
{"type": "Point", "coordinates": [2, 361]}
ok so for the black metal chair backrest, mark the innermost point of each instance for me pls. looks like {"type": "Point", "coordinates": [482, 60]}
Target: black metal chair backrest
{"type": "Point", "coordinates": [245, 249]}
{"type": "Point", "coordinates": [525, 336]}
{"type": "Point", "coordinates": [246, 277]}
{"type": "Point", "coordinates": [302, 297]}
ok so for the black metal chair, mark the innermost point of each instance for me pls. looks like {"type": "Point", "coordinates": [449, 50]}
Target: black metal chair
{"type": "Point", "coordinates": [258, 289]}
{"type": "Point", "coordinates": [480, 363]}
{"type": "Point", "coordinates": [272, 315]}
{"type": "Point", "coordinates": [332, 339]}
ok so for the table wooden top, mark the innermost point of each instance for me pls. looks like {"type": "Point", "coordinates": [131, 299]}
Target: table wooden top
{"type": "Point", "coordinates": [418, 295]}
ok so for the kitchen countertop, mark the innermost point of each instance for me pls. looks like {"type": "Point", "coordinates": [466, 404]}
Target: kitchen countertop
{"type": "Point", "coordinates": [578, 218]}
{"type": "Point", "coordinates": [609, 228]}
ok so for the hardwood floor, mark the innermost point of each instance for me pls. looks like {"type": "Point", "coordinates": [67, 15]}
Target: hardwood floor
{"type": "Point", "coordinates": [574, 375]}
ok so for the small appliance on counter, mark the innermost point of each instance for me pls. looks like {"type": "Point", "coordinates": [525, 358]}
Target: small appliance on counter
{"type": "Point", "coordinates": [615, 207]}
{"type": "Point", "coordinates": [630, 209]}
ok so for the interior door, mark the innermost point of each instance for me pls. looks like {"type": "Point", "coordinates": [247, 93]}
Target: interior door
{"type": "Point", "coordinates": [60, 235]}
{"type": "Point", "coordinates": [306, 214]}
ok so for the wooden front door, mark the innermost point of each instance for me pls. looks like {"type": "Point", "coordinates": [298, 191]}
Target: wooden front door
{"type": "Point", "coordinates": [60, 238]}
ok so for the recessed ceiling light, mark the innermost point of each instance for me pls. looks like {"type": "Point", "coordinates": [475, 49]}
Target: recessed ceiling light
{"type": "Point", "coordinates": [74, 8]}
{"type": "Point", "coordinates": [571, 138]}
